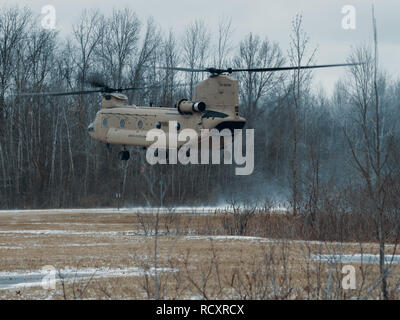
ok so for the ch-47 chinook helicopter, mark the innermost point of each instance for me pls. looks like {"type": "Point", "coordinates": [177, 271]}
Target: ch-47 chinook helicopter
{"type": "Point", "coordinates": [214, 105]}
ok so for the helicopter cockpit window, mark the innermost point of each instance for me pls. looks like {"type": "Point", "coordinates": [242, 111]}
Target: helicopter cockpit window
{"type": "Point", "coordinates": [158, 125]}
{"type": "Point", "coordinates": [105, 122]}
{"type": "Point", "coordinates": [178, 126]}
{"type": "Point", "coordinates": [122, 123]}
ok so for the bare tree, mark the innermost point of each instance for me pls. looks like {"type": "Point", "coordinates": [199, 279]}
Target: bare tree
{"type": "Point", "coordinates": [254, 86]}
{"type": "Point", "coordinates": [170, 58]}
{"type": "Point", "coordinates": [196, 46]}
{"type": "Point", "coordinates": [224, 42]}
{"type": "Point", "coordinates": [371, 144]}
{"type": "Point", "coordinates": [87, 34]}
{"type": "Point", "coordinates": [12, 25]}
{"type": "Point", "coordinates": [119, 43]}
{"type": "Point", "coordinates": [142, 67]}
{"type": "Point", "coordinates": [300, 81]}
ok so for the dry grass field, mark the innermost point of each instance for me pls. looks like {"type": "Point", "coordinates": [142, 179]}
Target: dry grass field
{"type": "Point", "coordinates": [116, 255]}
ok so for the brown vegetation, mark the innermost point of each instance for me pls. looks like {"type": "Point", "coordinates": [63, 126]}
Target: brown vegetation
{"type": "Point", "coordinates": [203, 264]}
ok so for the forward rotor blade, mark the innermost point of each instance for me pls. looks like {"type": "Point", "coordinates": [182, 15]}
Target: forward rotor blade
{"type": "Point", "coordinates": [102, 90]}
{"type": "Point", "coordinates": [153, 87]}
{"type": "Point", "coordinates": [33, 94]}
{"type": "Point", "coordinates": [292, 68]}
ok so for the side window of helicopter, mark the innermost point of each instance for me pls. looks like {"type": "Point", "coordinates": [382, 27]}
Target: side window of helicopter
{"type": "Point", "coordinates": [105, 122]}
{"type": "Point", "coordinates": [158, 125]}
{"type": "Point", "coordinates": [140, 124]}
{"type": "Point", "coordinates": [122, 123]}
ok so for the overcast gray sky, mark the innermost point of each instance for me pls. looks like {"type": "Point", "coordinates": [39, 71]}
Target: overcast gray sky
{"type": "Point", "coordinates": [272, 19]}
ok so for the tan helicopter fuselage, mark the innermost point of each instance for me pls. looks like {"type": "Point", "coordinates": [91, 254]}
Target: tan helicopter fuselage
{"type": "Point", "coordinates": [214, 105]}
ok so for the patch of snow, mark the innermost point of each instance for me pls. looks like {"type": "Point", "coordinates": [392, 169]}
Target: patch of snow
{"type": "Point", "coordinates": [75, 224]}
{"type": "Point", "coordinates": [228, 238]}
{"type": "Point", "coordinates": [206, 210]}
{"type": "Point", "coordinates": [57, 232]}
{"type": "Point", "coordinates": [33, 246]}
{"type": "Point", "coordinates": [10, 248]}
{"type": "Point", "coordinates": [14, 280]}
{"type": "Point", "coordinates": [83, 233]}
{"type": "Point", "coordinates": [260, 239]}
{"type": "Point", "coordinates": [356, 258]}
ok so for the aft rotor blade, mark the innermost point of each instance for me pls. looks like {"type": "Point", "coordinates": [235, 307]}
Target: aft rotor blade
{"type": "Point", "coordinates": [292, 68]}
{"type": "Point", "coordinates": [183, 69]}
{"type": "Point", "coordinates": [269, 69]}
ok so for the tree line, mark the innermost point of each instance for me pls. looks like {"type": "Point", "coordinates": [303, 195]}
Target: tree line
{"type": "Point", "coordinates": [304, 140]}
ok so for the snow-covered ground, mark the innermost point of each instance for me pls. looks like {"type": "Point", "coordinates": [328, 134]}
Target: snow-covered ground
{"type": "Point", "coordinates": [260, 239]}
{"type": "Point", "coordinates": [356, 258]}
{"type": "Point", "coordinates": [55, 232]}
{"type": "Point", "coordinates": [134, 210]}
{"type": "Point", "coordinates": [240, 238]}
{"type": "Point", "coordinates": [77, 233]}
{"type": "Point", "coordinates": [18, 280]}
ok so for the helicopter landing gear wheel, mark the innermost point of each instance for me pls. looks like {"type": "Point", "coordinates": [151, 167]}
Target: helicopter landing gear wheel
{"type": "Point", "coordinates": [124, 155]}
